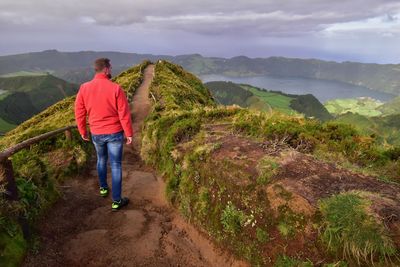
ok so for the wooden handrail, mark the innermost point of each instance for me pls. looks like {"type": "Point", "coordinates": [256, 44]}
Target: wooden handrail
{"type": "Point", "coordinates": [6, 168]}
{"type": "Point", "coordinates": [11, 150]}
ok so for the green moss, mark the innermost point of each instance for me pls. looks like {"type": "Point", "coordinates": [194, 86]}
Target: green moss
{"type": "Point", "coordinates": [348, 229]}
{"type": "Point", "coordinates": [203, 204]}
{"type": "Point", "coordinates": [286, 261]}
{"type": "Point", "coordinates": [262, 235]}
{"type": "Point", "coordinates": [336, 264]}
{"type": "Point", "coordinates": [285, 230]}
{"type": "Point", "coordinates": [12, 248]}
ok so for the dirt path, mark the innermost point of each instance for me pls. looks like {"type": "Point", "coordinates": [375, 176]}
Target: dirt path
{"type": "Point", "coordinates": [81, 230]}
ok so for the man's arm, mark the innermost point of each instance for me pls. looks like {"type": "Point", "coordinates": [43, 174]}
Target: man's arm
{"type": "Point", "coordinates": [124, 114]}
{"type": "Point", "coordinates": [80, 116]}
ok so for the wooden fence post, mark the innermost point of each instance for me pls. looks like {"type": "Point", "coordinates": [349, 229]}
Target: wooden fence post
{"type": "Point", "coordinates": [7, 174]}
{"type": "Point", "coordinates": [68, 134]}
{"type": "Point", "coordinates": [8, 178]}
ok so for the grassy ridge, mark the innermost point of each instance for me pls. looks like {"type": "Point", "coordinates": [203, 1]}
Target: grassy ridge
{"type": "Point", "coordinates": [225, 170]}
{"type": "Point", "coordinates": [41, 168]}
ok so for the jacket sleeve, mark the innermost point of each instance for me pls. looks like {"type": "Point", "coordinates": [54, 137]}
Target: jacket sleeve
{"type": "Point", "coordinates": [124, 112]}
{"type": "Point", "coordinates": [80, 113]}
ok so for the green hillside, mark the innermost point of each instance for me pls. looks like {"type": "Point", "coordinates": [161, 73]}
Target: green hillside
{"type": "Point", "coordinates": [370, 117]}
{"type": "Point", "coordinates": [386, 129]}
{"type": "Point", "coordinates": [248, 96]}
{"type": "Point", "coordinates": [265, 185]}
{"type": "Point", "coordinates": [28, 95]}
{"type": "Point", "coordinates": [365, 106]}
{"type": "Point", "coordinates": [228, 93]}
{"type": "Point", "coordinates": [40, 169]}
{"type": "Point", "coordinates": [275, 100]}
{"type": "Point", "coordinates": [391, 107]}
{"type": "Point", "coordinates": [310, 107]}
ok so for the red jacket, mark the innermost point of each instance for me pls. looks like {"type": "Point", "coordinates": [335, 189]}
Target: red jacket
{"type": "Point", "coordinates": [105, 104]}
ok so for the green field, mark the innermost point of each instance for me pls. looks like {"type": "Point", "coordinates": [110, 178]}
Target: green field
{"type": "Point", "coordinates": [275, 100]}
{"type": "Point", "coordinates": [24, 73]}
{"type": "Point", "coordinates": [363, 105]}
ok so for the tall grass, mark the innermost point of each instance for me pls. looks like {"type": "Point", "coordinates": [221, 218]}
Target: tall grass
{"type": "Point", "coordinates": [350, 230]}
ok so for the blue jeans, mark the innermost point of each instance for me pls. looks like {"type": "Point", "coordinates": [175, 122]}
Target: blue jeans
{"type": "Point", "coordinates": [110, 145]}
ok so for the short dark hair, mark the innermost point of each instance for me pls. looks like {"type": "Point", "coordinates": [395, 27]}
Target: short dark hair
{"type": "Point", "coordinates": [101, 63]}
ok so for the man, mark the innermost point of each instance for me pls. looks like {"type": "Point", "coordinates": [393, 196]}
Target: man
{"type": "Point", "coordinates": [105, 104]}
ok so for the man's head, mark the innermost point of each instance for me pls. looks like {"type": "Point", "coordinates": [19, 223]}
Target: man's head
{"type": "Point", "coordinates": [103, 65]}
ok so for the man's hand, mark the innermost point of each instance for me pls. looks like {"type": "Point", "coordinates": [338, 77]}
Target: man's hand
{"type": "Point", "coordinates": [85, 137]}
{"type": "Point", "coordinates": [129, 140]}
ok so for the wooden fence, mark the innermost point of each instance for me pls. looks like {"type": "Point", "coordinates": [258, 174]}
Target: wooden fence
{"type": "Point", "coordinates": [6, 165]}
{"type": "Point", "coordinates": [7, 171]}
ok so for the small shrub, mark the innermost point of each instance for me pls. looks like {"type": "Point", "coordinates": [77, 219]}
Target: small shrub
{"type": "Point", "coordinates": [232, 219]}
{"type": "Point", "coordinates": [393, 153]}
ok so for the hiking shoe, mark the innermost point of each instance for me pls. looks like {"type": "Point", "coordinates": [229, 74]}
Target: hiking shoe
{"type": "Point", "coordinates": [103, 191]}
{"type": "Point", "coordinates": [116, 205]}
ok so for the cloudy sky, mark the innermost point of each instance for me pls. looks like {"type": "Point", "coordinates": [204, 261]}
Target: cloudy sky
{"type": "Point", "coordinates": [357, 30]}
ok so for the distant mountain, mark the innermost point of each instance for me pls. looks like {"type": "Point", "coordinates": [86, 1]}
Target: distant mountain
{"type": "Point", "coordinates": [76, 67]}
{"type": "Point", "coordinates": [244, 95]}
{"type": "Point", "coordinates": [24, 96]}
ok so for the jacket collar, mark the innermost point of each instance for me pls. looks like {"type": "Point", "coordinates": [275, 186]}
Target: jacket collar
{"type": "Point", "coordinates": [100, 76]}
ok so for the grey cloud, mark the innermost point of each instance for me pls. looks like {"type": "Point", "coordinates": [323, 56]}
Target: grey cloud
{"type": "Point", "coordinates": [213, 27]}
{"type": "Point", "coordinates": [204, 17]}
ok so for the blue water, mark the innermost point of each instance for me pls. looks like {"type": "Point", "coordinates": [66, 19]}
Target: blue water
{"type": "Point", "coordinates": [321, 89]}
